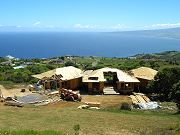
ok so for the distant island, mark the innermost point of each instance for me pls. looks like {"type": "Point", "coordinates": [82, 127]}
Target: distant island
{"type": "Point", "coordinates": [165, 33]}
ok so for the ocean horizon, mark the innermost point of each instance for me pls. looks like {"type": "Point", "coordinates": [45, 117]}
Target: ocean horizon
{"type": "Point", "coordinates": [53, 44]}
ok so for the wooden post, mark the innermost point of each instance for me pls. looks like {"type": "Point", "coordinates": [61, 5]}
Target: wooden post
{"type": "Point", "coordinates": [101, 86]}
{"type": "Point", "coordinates": [90, 87]}
{"type": "Point", "coordinates": [44, 86]}
{"type": "Point", "coordinates": [56, 84]}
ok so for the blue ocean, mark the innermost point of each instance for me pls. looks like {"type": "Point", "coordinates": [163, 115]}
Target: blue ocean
{"type": "Point", "coordinates": [52, 44]}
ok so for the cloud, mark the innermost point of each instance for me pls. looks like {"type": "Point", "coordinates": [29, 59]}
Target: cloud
{"type": "Point", "coordinates": [85, 26]}
{"type": "Point", "coordinates": [36, 23]}
{"type": "Point", "coordinates": [163, 25]}
{"type": "Point", "coordinates": [94, 27]}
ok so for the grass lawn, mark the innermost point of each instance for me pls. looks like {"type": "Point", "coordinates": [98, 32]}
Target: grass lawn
{"type": "Point", "coordinates": [91, 122]}
{"type": "Point", "coordinates": [30, 132]}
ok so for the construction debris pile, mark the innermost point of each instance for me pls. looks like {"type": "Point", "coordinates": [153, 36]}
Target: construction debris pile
{"type": "Point", "coordinates": [141, 101]}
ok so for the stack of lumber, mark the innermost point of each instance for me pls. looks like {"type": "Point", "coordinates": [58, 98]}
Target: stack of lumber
{"type": "Point", "coordinates": [93, 104]}
{"type": "Point", "coordinates": [139, 98]}
{"type": "Point", "coordinates": [146, 98]}
{"type": "Point", "coordinates": [141, 101]}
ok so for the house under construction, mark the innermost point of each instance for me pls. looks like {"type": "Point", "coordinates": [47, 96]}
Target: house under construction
{"type": "Point", "coordinates": [65, 77]}
{"type": "Point", "coordinates": [144, 75]}
{"type": "Point", "coordinates": [97, 81]}
{"type": "Point", "coordinates": [108, 78]}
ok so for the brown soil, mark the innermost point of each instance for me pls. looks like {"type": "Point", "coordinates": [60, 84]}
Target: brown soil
{"type": "Point", "coordinates": [16, 91]}
{"type": "Point", "coordinates": [107, 100]}
{"type": "Point", "coordinates": [104, 100]}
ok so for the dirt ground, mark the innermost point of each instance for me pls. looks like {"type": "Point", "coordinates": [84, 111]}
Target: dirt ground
{"type": "Point", "coordinates": [16, 91]}
{"type": "Point", "coordinates": [104, 100]}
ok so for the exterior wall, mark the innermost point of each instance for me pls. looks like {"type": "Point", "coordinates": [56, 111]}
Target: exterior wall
{"type": "Point", "coordinates": [73, 84]}
{"type": "Point", "coordinates": [95, 87]}
{"type": "Point", "coordinates": [143, 82]}
{"type": "Point", "coordinates": [98, 87]}
{"type": "Point", "coordinates": [125, 87]}
{"type": "Point", "coordinates": [142, 86]}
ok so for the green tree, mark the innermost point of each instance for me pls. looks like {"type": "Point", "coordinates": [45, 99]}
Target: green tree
{"type": "Point", "coordinates": [70, 63]}
{"type": "Point", "coordinates": [142, 63]}
{"type": "Point", "coordinates": [175, 94]}
{"type": "Point", "coordinates": [165, 81]}
{"type": "Point", "coordinates": [36, 69]}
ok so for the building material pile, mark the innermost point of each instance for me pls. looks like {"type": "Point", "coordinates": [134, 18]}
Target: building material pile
{"type": "Point", "coordinates": [141, 101]}
{"type": "Point", "coordinates": [90, 105]}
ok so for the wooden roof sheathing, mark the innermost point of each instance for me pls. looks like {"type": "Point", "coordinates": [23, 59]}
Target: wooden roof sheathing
{"type": "Point", "coordinates": [67, 73]}
{"type": "Point", "coordinates": [99, 74]}
{"type": "Point", "coordinates": [144, 73]}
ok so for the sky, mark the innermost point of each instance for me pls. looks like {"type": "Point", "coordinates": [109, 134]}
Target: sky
{"type": "Point", "coordinates": [88, 15]}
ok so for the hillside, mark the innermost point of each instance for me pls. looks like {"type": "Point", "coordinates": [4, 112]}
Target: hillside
{"type": "Point", "coordinates": [64, 116]}
{"type": "Point", "coordinates": [167, 56]}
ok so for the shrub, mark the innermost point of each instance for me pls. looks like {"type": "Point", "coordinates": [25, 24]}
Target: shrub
{"type": "Point", "coordinates": [70, 63]}
{"type": "Point", "coordinates": [76, 129]}
{"type": "Point", "coordinates": [125, 106]}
